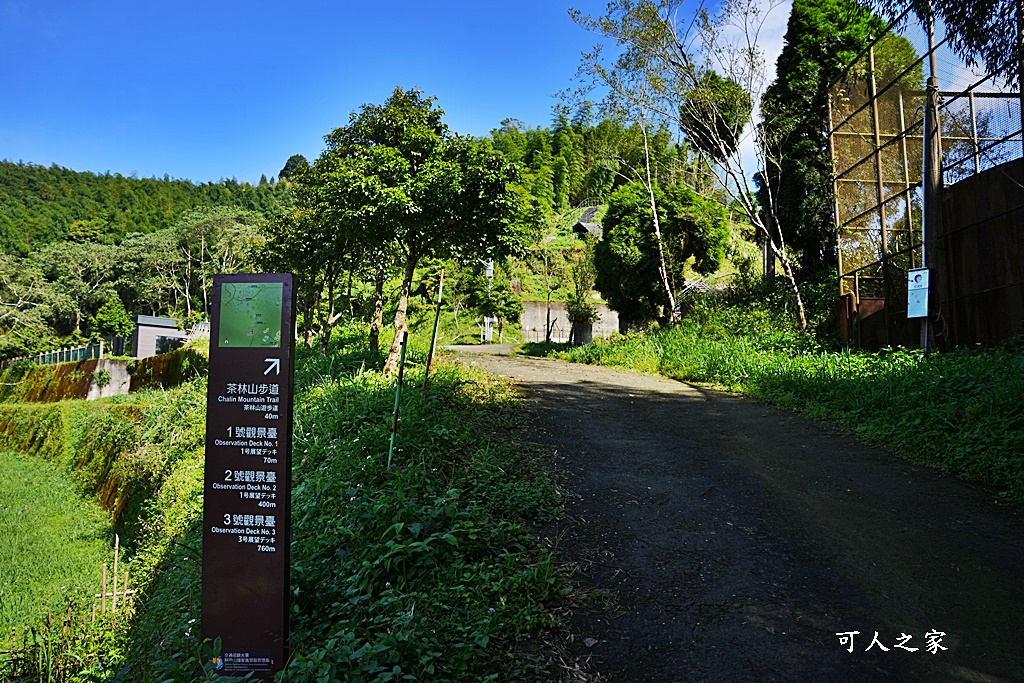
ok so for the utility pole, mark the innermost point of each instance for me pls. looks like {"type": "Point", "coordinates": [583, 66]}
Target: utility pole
{"type": "Point", "coordinates": [932, 185]}
{"type": "Point", "coordinates": [1020, 67]}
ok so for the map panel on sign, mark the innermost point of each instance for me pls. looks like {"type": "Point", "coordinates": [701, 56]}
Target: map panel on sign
{"type": "Point", "coordinates": [250, 315]}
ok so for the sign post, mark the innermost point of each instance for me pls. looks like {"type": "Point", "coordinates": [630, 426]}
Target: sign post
{"type": "Point", "coordinates": [917, 293]}
{"type": "Point", "coordinates": [247, 489]}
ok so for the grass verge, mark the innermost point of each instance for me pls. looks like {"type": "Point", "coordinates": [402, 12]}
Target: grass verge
{"type": "Point", "coordinates": [53, 542]}
{"type": "Point", "coordinates": [424, 571]}
{"type": "Point", "coordinates": [960, 411]}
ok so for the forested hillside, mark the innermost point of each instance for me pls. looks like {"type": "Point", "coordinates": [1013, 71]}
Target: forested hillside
{"type": "Point", "coordinates": [576, 158]}
{"type": "Point", "coordinates": [40, 205]}
{"type": "Point", "coordinates": [80, 252]}
{"type": "Point", "coordinates": [71, 290]}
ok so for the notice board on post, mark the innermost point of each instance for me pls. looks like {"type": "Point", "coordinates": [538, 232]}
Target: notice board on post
{"type": "Point", "coordinates": [247, 482]}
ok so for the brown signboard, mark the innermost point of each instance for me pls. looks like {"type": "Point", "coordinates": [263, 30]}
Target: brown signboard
{"type": "Point", "coordinates": [246, 505]}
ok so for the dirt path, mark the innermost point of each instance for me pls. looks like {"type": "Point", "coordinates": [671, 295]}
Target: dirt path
{"type": "Point", "coordinates": [723, 540]}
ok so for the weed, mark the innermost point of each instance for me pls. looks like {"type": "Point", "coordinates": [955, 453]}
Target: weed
{"type": "Point", "coordinates": [961, 411]}
{"type": "Point", "coordinates": [422, 571]}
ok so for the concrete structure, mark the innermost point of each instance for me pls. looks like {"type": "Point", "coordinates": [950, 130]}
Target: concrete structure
{"type": "Point", "coordinates": [534, 319]}
{"type": "Point", "coordinates": [116, 376]}
{"type": "Point", "coordinates": [154, 335]}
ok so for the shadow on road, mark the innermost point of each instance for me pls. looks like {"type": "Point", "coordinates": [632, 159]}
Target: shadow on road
{"type": "Point", "coordinates": [719, 539]}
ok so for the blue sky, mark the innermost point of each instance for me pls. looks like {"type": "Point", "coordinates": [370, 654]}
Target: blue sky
{"type": "Point", "coordinates": [229, 88]}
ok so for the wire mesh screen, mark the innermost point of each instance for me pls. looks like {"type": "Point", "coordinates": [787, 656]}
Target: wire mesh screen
{"type": "Point", "coordinates": [876, 141]}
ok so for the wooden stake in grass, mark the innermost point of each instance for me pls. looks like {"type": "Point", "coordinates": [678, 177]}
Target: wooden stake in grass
{"type": "Point", "coordinates": [433, 336]}
{"type": "Point", "coordinates": [103, 590]}
{"type": "Point", "coordinates": [398, 398]}
{"type": "Point", "coordinates": [117, 552]}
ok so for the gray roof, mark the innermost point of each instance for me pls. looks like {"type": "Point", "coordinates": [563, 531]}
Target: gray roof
{"type": "Point", "coordinates": [587, 224]}
{"type": "Point", "coordinates": [153, 321]}
{"type": "Point", "coordinates": [582, 229]}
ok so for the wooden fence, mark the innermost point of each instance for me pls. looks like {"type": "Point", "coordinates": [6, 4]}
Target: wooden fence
{"type": "Point", "coordinates": [48, 651]}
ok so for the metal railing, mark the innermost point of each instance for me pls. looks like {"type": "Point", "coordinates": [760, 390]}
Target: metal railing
{"type": "Point", "coordinates": [876, 141]}
{"type": "Point", "coordinates": [72, 354]}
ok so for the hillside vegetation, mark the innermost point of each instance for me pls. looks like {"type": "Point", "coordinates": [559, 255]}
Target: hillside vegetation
{"type": "Point", "coordinates": [43, 204]}
{"type": "Point", "coordinates": [426, 569]}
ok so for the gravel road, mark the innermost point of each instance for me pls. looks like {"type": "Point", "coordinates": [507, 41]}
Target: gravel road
{"type": "Point", "coordinates": [719, 539]}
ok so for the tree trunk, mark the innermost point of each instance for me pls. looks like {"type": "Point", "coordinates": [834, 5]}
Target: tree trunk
{"type": "Point", "coordinates": [327, 322]}
{"type": "Point", "coordinates": [547, 322]}
{"type": "Point", "coordinates": [202, 284]}
{"type": "Point", "coordinates": [547, 286]}
{"type": "Point", "coordinates": [801, 317]}
{"type": "Point", "coordinates": [778, 250]}
{"type": "Point", "coordinates": [309, 318]}
{"type": "Point", "coordinates": [767, 253]}
{"type": "Point", "coordinates": [662, 269]}
{"type": "Point", "coordinates": [307, 321]}
{"type": "Point", "coordinates": [378, 309]}
{"type": "Point", "coordinates": [348, 292]}
{"type": "Point", "coordinates": [320, 321]}
{"type": "Point", "coordinates": [391, 364]}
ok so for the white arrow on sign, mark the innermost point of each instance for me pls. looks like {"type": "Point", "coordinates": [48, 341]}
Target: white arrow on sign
{"type": "Point", "coordinates": [275, 364]}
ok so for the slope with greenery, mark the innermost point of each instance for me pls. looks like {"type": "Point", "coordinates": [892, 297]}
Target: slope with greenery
{"type": "Point", "coordinates": [425, 569]}
{"type": "Point", "coordinates": [576, 160]}
{"type": "Point", "coordinates": [68, 292]}
{"type": "Point", "coordinates": [41, 205]}
{"type": "Point", "coordinates": [354, 251]}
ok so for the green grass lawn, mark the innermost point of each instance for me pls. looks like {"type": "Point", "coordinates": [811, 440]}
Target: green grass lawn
{"type": "Point", "coordinates": [52, 541]}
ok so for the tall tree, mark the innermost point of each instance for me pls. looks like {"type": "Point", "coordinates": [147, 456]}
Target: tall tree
{"type": "Point", "coordinates": [214, 240]}
{"type": "Point", "coordinates": [82, 276]}
{"type": "Point", "coordinates": [411, 184]}
{"type": "Point", "coordinates": [112, 320]}
{"type": "Point", "coordinates": [693, 228]}
{"type": "Point", "coordinates": [822, 38]}
{"type": "Point", "coordinates": [298, 242]}
{"type": "Point", "coordinates": [25, 300]}
{"type": "Point", "coordinates": [673, 58]}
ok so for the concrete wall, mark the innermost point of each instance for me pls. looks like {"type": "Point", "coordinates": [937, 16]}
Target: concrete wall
{"type": "Point", "coordinates": [120, 379]}
{"type": "Point", "coordinates": [535, 316]}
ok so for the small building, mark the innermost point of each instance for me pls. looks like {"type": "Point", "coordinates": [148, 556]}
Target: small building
{"type": "Point", "coordinates": [587, 225]}
{"type": "Point", "coordinates": [154, 335]}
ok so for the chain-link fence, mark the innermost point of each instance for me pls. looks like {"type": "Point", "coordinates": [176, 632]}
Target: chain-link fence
{"type": "Point", "coordinates": [876, 134]}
